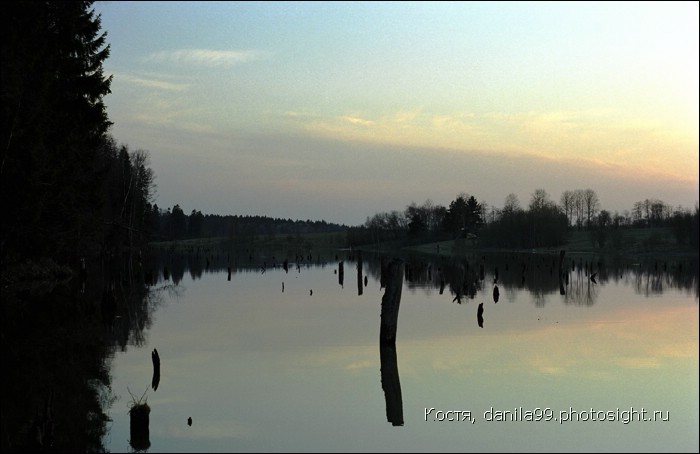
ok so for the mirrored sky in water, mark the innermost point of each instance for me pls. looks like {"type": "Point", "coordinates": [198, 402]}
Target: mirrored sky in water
{"type": "Point", "coordinates": [262, 369]}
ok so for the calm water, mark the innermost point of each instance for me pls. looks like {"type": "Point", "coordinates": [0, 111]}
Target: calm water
{"type": "Point", "coordinates": [275, 360]}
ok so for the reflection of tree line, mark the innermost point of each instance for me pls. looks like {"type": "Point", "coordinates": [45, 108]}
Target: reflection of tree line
{"type": "Point", "coordinates": [56, 350]}
{"type": "Point", "coordinates": [169, 265]}
{"type": "Point", "coordinates": [539, 275]}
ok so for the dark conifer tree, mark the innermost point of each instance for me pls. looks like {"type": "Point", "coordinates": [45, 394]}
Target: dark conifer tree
{"type": "Point", "coordinates": [53, 123]}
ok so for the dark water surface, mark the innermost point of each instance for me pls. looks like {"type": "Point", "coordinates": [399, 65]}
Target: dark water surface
{"type": "Point", "coordinates": [275, 360]}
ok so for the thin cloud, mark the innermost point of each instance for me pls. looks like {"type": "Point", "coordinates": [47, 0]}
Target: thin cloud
{"type": "Point", "coordinates": [296, 115]}
{"type": "Point", "coordinates": [153, 83]}
{"type": "Point", "coordinates": [205, 57]}
{"type": "Point", "coordinates": [359, 121]}
{"type": "Point", "coordinates": [600, 137]}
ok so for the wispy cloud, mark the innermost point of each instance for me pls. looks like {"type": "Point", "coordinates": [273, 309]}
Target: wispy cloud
{"type": "Point", "coordinates": [149, 82]}
{"type": "Point", "coordinates": [359, 121]}
{"type": "Point", "coordinates": [601, 137]}
{"type": "Point", "coordinates": [205, 57]}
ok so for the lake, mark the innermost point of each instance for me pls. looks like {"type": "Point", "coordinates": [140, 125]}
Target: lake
{"type": "Point", "coordinates": [267, 359]}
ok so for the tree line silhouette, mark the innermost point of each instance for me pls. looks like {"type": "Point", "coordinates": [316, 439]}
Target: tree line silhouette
{"type": "Point", "coordinates": [543, 223]}
{"type": "Point", "coordinates": [69, 190]}
{"type": "Point", "coordinates": [174, 224]}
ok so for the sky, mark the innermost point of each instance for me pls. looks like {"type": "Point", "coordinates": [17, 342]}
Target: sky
{"type": "Point", "coordinates": [337, 111]}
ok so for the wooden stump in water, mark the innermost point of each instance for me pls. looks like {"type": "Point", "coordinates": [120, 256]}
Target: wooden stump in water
{"type": "Point", "coordinates": [391, 301]}
{"type": "Point", "coordinates": [563, 273]}
{"type": "Point", "coordinates": [384, 264]}
{"type": "Point", "coordinates": [140, 436]}
{"type": "Point", "coordinates": [359, 272]}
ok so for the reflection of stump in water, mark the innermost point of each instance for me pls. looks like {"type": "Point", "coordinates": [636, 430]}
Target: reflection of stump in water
{"type": "Point", "coordinates": [140, 437]}
{"type": "Point", "coordinates": [563, 273]}
{"type": "Point", "coordinates": [390, 383]}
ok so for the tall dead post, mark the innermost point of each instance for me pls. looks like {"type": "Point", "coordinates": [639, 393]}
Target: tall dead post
{"type": "Point", "coordinates": [391, 301]}
{"type": "Point", "coordinates": [359, 272]}
{"type": "Point", "coordinates": [384, 263]}
{"type": "Point", "coordinates": [341, 273]}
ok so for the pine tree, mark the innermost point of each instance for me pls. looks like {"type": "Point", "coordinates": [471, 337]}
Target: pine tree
{"type": "Point", "coordinates": [54, 121]}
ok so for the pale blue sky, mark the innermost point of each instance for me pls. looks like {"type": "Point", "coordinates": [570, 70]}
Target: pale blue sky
{"type": "Point", "coordinates": [336, 111]}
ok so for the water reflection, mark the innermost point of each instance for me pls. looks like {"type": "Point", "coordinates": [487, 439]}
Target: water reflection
{"type": "Point", "coordinates": [58, 346]}
{"type": "Point", "coordinates": [56, 349]}
{"type": "Point", "coordinates": [576, 279]}
{"type": "Point", "coordinates": [391, 385]}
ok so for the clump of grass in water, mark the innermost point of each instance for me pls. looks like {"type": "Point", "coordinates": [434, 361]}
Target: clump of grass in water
{"type": "Point", "coordinates": [139, 412]}
{"type": "Point", "coordinates": [138, 405]}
